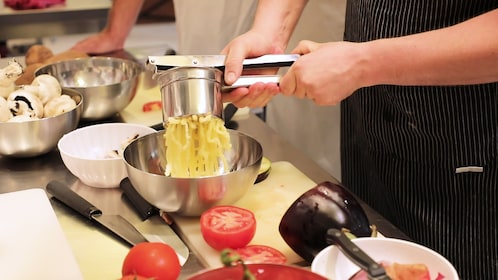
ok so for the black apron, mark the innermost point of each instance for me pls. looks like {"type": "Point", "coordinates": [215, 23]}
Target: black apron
{"type": "Point", "coordinates": [426, 157]}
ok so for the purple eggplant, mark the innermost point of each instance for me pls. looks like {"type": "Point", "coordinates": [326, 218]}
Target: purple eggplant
{"type": "Point", "coordinates": [327, 205]}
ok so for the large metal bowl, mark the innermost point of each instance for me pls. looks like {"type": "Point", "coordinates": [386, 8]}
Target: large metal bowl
{"type": "Point", "coordinates": [108, 84]}
{"type": "Point", "coordinates": [145, 160]}
{"type": "Point", "coordinates": [36, 137]}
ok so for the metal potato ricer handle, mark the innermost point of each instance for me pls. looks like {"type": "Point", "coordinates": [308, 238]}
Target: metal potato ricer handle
{"type": "Point", "coordinates": [165, 62]}
{"type": "Point", "coordinates": [192, 85]}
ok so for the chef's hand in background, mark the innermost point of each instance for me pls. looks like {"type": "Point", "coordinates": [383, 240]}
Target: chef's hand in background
{"type": "Point", "coordinates": [99, 43]}
{"type": "Point", "coordinates": [121, 18]}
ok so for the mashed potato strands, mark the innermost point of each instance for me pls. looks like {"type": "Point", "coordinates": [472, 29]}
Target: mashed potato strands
{"type": "Point", "coordinates": [196, 146]}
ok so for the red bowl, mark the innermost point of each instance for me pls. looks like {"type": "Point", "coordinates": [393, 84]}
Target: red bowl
{"type": "Point", "coordinates": [260, 271]}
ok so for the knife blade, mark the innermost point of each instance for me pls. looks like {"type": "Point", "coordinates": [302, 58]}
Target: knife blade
{"type": "Point", "coordinates": [374, 270]}
{"type": "Point", "coordinates": [165, 62]}
{"type": "Point", "coordinates": [153, 220]}
{"type": "Point", "coordinates": [116, 224]}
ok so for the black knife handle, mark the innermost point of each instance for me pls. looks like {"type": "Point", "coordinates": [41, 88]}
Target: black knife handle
{"type": "Point", "coordinates": [142, 206]}
{"type": "Point", "coordinates": [63, 193]}
{"type": "Point", "coordinates": [355, 254]}
{"type": "Point", "coordinates": [229, 112]}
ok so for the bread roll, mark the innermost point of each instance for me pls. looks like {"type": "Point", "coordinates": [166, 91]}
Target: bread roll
{"type": "Point", "coordinates": [37, 54]}
{"type": "Point", "coordinates": [29, 74]}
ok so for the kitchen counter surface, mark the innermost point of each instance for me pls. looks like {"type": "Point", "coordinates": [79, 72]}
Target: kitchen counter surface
{"type": "Point", "coordinates": [75, 16]}
{"type": "Point", "coordinates": [21, 174]}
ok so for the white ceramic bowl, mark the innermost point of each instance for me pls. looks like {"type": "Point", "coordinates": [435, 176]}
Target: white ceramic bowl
{"type": "Point", "coordinates": [86, 152]}
{"type": "Point", "coordinates": [333, 264]}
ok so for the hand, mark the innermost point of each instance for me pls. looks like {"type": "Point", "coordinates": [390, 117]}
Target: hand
{"type": "Point", "coordinates": [259, 94]}
{"type": "Point", "coordinates": [326, 73]}
{"type": "Point", "coordinates": [98, 44]}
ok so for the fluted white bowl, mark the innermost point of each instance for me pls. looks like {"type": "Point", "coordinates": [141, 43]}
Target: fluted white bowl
{"type": "Point", "coordinates": [333, 264]}
{"type": "Point", "coordinates": [86, 152]}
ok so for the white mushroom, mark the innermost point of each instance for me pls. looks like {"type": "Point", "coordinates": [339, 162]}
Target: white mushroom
{"type": "Point", "coordinates": [58, 105]}
{"type": "Point", "coordinates": [8, 76]}
{"type": "Point", "coordinates": [22, 102]}
{"type": "Point", "coordinates": [22, 118]}
{"type": "Point", "coordinates": [46, 87]}
{"type": "Point", "coordinates": [5, 113]}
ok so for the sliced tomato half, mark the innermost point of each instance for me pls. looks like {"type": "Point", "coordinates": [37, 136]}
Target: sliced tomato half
{"type": "Point", "coordinates": [261, 254]}
{"type": "Point", "coordinates": [152, 106]}
{"type": "Point", "coordinates": [227, 227]}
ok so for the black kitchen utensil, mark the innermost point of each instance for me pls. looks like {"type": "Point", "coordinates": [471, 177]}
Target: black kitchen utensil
{"type": "Point", "coordinates": [354, 253]}
{"type": "Point", "coordinates": [143, 208]}
{"type": "Point", "coordinates": [153, 216]}
{"type": "Point", "coordinates": [114, 223]}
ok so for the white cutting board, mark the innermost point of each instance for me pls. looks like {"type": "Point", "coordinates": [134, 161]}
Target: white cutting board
{"type": "Point", "coordinates": [32, 243]}
{"type": "Point", "coordinates": [268, 200]}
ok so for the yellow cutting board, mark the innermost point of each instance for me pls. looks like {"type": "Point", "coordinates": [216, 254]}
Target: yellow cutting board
{"type": "Point", "coordinates": [268, 200]}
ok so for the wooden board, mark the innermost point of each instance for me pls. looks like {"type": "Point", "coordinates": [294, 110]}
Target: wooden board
{"type": "Point", "coordinates": [268, 200]}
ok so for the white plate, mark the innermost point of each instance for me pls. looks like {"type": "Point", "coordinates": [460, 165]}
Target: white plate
{"type": "Point", "coordinates": [32, 243]}
{"type": "Point", "coordinates": [333, 264]}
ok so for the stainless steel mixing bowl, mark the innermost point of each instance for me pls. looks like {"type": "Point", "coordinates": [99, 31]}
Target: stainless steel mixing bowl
{"type": "Point", "coordinates": [108, 84]}
{"type": "Point", "coordinates": [37, 137]}
{"type": "Point", "coordinates": [145, 160]}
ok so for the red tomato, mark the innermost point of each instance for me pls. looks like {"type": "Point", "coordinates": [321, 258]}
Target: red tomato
{"type": "Point", "coordinates": [134, 277]}
{"type": "Point", "coordinates": [153, 260]}
{"type": "Point", "coordinates": [261, 254]}
{"type": "Point", "coordinates": [152, 106]}
{"type": "Point", "coordinates": [407, 271]}
{"type": "Point", "coordinates": [227, 227]}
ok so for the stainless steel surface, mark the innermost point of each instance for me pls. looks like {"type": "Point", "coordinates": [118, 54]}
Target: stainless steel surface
{"type": "Point", "coordinates": [196, 90]}
{"type": "Point", "coordinates": [148, 212]}
{"type": "Point", "coordinates": [114, 223]}
{"type": "Point", "coordinates": [145, 161]}
{"type": "Point", "coordinates": [20, 174]}
{"type": "Point", "coordinates": [108, 84]}
{"type": "Point", "coordinates": [356, 255]}
{"type": "Point", "coordinates": [160, 63]}
{"type": "Point", "coordinates": [75, 16]}
{"type": "Point", "coordinates": [36, 137]}
{"type": "Point", "coordinates": [246, 81]}
{"type": "Point", "coordinates": [190, 91]}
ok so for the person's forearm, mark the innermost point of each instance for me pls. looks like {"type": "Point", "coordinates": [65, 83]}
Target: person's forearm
{"type": "Point", "coordinates": [122, 17]}
{"type": "Point", "coordinates": [466, 53]}
{"type": "Point", "coordinates": [278, 19]}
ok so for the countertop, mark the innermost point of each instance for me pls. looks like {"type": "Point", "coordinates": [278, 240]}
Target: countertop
{"type": "Point", "coordinates": [75, 16]}
{"type": "Point", "coordinates": [21, 174]}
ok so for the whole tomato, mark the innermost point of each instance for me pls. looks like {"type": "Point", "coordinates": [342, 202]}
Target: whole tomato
{"type": "Point", "coordinates": [227, 227]}
{"type": "Point", "coordinates": [154, 260]}
{"type": "Point", "coordinates": [134, 277]}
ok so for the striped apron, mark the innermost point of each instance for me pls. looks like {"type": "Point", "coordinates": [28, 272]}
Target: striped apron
{"type": "Point", "coordinates": [426, 157]}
